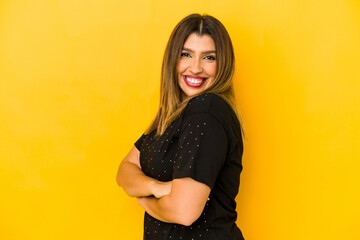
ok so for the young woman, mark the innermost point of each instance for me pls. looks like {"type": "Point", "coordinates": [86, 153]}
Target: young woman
{"type": "Point", "coordinates": [185, 169]}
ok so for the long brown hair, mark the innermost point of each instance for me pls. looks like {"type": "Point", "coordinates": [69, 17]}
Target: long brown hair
{"type": "Point", "coordinates": [171, 102]}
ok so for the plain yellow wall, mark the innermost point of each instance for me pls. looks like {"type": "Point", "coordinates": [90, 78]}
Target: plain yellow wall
{"type": "Point", "coordinates": [79, 83]}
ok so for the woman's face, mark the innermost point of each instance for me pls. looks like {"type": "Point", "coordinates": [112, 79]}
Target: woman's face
{"type": "Point", "coordinates": [196, 68]}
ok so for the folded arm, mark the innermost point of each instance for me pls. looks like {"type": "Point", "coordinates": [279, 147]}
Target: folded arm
{"type": "Point", "coordinates": [183, 205]}
{"type": "Point", "coordinates": [135, 182]}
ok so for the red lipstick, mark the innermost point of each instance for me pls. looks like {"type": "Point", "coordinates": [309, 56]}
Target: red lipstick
{"type": "Point", "coordinates": [194, 81]}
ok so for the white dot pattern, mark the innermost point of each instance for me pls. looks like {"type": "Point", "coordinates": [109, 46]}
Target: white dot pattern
{"type": "Point", "coordinates": [202, 148]}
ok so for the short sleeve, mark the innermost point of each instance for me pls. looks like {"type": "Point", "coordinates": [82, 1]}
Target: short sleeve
{"type": "Point", "coordinates": [202, 149]}
{"type": "Point", "coordinates": [139, 142]}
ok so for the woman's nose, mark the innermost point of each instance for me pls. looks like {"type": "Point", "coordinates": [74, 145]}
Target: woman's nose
{"type": "Point", "coordinates": [195, 66]}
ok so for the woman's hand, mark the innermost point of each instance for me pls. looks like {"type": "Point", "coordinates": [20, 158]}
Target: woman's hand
{"type": "Point", "coordinates": [160, 189]}
{"type": "Point", "coordinates": [183, 205]}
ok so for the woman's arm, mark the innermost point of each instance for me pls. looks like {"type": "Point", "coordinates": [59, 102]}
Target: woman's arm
{"type": "Point", "coordinates": [183, 205]}
{"type": "Point", "coordinates": [135, 182]}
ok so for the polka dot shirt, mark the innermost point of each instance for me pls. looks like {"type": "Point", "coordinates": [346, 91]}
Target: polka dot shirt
{"type": "Point", "coordinates": [203, 143]}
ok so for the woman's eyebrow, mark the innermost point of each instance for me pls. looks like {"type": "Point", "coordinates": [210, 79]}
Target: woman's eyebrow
{"type": "Point", "coordinates": [206, 52]}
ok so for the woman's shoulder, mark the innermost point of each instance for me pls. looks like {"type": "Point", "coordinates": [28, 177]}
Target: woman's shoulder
{"type": "Point", "coordinates": [213, 106]}
{"type": "Point", "coordinates": [208, 103]}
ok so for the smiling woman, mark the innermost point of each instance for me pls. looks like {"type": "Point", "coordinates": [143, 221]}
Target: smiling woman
{"type": "Point", "coordinates": [197, 65]}
{"type": "Point", "coordinates": [185, 169]}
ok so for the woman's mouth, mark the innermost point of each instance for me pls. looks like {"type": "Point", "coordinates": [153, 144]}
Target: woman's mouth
{"type": "Point", "coordinates": [194, 81]}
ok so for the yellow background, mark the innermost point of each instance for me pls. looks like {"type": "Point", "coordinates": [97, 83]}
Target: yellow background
{"type": "Point", "coordinates": [79, 83]}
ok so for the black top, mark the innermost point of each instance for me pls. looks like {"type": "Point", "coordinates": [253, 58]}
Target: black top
{"type": "Point", "coordinates": [203, 143]}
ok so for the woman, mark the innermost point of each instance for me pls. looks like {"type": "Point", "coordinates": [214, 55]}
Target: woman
{"type": "Point", "coordinates": [185, 169]}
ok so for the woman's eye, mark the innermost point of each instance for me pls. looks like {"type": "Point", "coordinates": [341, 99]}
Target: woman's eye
{"type": "Point", "coordinates": [185, 55]}
{"type": "Point", "coordinates": [210, 58]}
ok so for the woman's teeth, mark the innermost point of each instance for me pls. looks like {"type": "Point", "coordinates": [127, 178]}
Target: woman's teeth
{"type": "Point", "coordinates": [194, 80]}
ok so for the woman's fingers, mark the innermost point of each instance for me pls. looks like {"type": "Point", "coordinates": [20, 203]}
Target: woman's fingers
{"type": "Point", "coordinates": [162, 189]}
